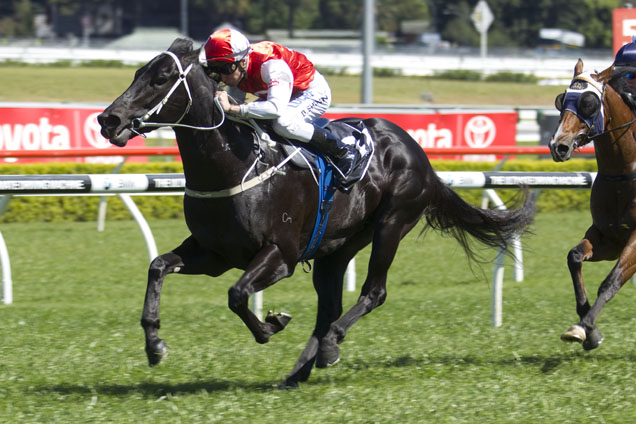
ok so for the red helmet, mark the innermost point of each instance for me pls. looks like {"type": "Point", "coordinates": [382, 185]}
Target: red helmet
{"type": "Point", "coordinates": [226, 45]}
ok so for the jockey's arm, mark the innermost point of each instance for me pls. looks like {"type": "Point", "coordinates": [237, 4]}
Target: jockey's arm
{"type": "Point", "coordinates": [279, 79]}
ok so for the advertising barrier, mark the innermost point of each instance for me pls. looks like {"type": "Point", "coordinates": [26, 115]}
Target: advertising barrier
{"type": "Point", "coordinates": [51, 127]}
{"type": "Point", "coordinates": [431, 128]}
{"type": "Point", "coordinates": [40, 128]}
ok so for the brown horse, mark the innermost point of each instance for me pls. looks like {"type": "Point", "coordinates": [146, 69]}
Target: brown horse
{"type": "Point", "coordinates": [592, 109]}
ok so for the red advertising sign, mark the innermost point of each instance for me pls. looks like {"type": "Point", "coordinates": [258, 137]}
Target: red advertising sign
{"type": "Point", "coordinates": [51, 128]}
{"type": "Point", "coordinates": [442, 129]}
{"type": "Point", "coordinates": [623, 26]}
{"type": "Point", "coordinates": [65, 128]}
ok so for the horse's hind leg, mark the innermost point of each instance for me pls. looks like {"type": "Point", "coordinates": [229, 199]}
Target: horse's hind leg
{"type": "Point", "coordinates": [188, 258]}
{"type": "Point", "coordinates": [328, 281]}
{"type": "Point", "coordinates": [389, 230]}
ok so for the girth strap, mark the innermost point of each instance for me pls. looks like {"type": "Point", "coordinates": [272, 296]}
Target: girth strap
{"type": "Point", "coordinates": [326, 189]}
{"type": "Point", "coordinates": [617, 178]}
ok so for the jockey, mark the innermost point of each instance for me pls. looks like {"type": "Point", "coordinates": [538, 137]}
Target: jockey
{"type": "Point", "coordinates": [291, 91]}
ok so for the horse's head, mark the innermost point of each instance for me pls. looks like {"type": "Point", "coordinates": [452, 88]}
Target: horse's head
{"type": "Point", "coordinates": [160, 90]}
{"type": "Point", "coordinates": [582, 113]}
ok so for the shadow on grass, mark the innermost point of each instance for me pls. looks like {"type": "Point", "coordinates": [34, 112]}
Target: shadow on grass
{"type": "Point", "coordinates": [546, 363]}
{"type": "Point", "coordinates": [156, 390]}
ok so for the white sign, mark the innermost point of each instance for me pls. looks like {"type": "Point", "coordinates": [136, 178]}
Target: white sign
{"type": "Point", "coordinates": [629, 27]}
{"type": "Point", "coordinates": [482, 16]}
{"type": "Point", "coordinates": [480, 132]}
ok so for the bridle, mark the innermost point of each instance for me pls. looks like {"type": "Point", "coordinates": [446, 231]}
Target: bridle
{"type": "Point", "coordinates": [589, 138]}
{"type": "Point", "coordinates": [605, 132]}
{"type": "Point", "coordinates": [611, 178]}
{"type": "Point", "coordinates": [142, 122]}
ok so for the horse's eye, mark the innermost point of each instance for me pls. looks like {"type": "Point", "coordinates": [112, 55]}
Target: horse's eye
{"type": "Point", "coordinates": [558, 102]}
{"type": "Point", "coordinates": [160, 80]}
{"type": "Point", "coordinates": [588, 104]}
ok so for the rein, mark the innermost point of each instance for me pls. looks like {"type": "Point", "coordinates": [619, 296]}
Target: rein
{"type": "Point", "coordinates": [614, 178]}
{"type": "Point", "coordinates": [626, 125]}
{"type": "Point", "coordinates": [142, 122]}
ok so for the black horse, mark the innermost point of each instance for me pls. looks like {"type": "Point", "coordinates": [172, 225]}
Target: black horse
{"type": "Point", "coordinates": [263, 224]}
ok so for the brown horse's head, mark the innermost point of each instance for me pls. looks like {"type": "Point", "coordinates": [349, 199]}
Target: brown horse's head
{"type": "Point", "coordinates": [582, 112]}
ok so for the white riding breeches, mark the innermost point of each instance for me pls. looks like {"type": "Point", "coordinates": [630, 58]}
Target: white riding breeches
{"type": "Point", "coordinates": [295, 121]}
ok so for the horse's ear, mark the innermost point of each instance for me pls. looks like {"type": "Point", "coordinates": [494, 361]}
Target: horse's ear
{"type": "Point", "coordinates": [181, 46]}
{"type": "Point", "coordinates": [202, 57]}
{"type": "Point", "coordinates": [605, 75]}
{"type": "Point", "coordinates": [578, 68]}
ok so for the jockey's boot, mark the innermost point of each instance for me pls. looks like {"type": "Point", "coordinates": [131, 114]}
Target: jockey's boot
{"type": "Point", "coordinates": [339, 153]}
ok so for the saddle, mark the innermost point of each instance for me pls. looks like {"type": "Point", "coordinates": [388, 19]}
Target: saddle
{"type": "Point", "coordinates": [351, 131]}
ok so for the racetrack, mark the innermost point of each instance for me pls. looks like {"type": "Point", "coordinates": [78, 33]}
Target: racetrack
{"type": "Point", "coordinates": [72, 347]}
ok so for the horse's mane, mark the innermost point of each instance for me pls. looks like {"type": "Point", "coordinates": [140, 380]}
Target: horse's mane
{"type": "Point", "coordinates": [624, 86]}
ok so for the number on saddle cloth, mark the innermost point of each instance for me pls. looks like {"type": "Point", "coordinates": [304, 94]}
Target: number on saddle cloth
{"type": "Point", "coordinates": [350, 131]}
{"type": "Point", "coordinates": [353, 132]}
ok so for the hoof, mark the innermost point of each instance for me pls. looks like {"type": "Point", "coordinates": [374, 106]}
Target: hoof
{"type": "Point", "coordinates": [288, 385]}
{"type": "Point", "coordinates": [156, 353]}
{"type": "Point", "coordinates": [328, 356]}
{"type": "Point", "coordinates": [576, 333]}
{"type": "Point", "coordinates": [278, 319]}
{"type": "Point", "coordinates": [594, 340]}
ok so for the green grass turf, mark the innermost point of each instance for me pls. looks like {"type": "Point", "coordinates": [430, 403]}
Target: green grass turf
{"type": "Point", "coordinates": [71, 347]}
{"type": "Point", "coordinates": [103, 85]}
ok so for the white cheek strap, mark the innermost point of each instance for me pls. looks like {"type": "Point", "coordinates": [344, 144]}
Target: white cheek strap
{"type": "Point", "coordinates": [181, 80]}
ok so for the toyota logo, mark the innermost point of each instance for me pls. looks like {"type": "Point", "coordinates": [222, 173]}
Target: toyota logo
{"type": "Point", "coordinates": [92, 132]}
{"type": "Point", "coordinates": [479, 132]}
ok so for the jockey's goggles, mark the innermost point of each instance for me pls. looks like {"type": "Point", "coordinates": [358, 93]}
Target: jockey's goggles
{"type": "Point", "coordinates": [224, 68]}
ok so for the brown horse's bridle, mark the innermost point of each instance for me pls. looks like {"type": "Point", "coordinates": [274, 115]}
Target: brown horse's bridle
{"type": "Point", "coordinates": [626, 125]}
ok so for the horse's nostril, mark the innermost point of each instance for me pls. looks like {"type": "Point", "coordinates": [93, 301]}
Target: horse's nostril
{"type": "Point", "coordinates": [109, 121]}
{"type": "Point", "coordinates": [562, 149]}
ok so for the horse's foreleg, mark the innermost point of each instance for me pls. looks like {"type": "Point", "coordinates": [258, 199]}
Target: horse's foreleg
{"type": "Point", "coordinates": [580, 253]}
{"type": "Point", "coordinates": [620, 273]}
{"type": "Point", "coordinates": [187, 259]}
{"type": "Point", "coordinates": [265, 269]}
{"type": "Point", "coordinates": [162, 265]}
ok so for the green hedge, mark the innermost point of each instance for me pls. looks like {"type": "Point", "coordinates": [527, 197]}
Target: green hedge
{"type": "Point", "coordinates": [84, 208]}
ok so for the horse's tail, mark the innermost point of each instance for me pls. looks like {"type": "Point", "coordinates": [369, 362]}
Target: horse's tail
{"type": "Point", "coordinates": [451, 215]}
